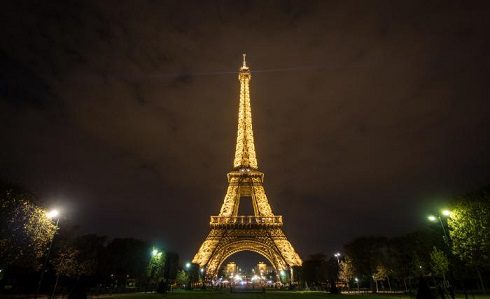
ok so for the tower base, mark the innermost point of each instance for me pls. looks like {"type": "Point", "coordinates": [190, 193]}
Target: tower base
{"type": "Point", "coordinates": [225, 240]}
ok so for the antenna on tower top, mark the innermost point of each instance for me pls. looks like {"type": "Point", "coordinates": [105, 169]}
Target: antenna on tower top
{"type": "Point", "coordinates": [244, 60]}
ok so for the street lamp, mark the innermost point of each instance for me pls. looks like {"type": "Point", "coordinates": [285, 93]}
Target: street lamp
{"type": "Point", "coordinates": [51, 214]}
{"type": "Point", "coordinates": [357, 282]}
{"type": "Point", "coordinates": [337, 255]}
{"type": "Point", "coordinates": [187, 268]}
{"type": "Point", "coordinates": [154, 252]}
{"type": "Point", "coordinates": [446, 213]}
{"type": "Point", "coordinates": [445, 236]}
{"type": "Point", "coordinates": [203, 286]}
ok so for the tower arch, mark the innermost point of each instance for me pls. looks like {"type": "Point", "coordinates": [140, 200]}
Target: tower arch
{"type": "Point", "coordinates": [269, 252]}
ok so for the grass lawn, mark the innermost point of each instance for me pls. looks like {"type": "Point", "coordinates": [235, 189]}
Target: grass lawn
{"type": "Point", "coordinates": [225, 294]}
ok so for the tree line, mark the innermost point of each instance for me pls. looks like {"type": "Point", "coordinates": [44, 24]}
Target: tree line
{"type": "Point", "coordinates": [450, 253]}
{"type": "Point", "coordinates": [77, 262]}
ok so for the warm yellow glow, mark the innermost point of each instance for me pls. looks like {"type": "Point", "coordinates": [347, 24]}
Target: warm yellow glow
{"type": "Point", "coordinates": [245, 148]}
{"type": "Point", "coordinates": [446, 213]}
{"type": "Point", "coordinates": [231, 233]}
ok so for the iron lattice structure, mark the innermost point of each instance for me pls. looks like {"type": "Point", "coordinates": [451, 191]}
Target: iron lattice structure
{"type": "Point", "coordinates": [262, 232]}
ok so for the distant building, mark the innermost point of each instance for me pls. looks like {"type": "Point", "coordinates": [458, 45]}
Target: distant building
{"type": "Point", "coordinates": [231, 269]}
{"type": "Point", "coordinates": [263, 269]}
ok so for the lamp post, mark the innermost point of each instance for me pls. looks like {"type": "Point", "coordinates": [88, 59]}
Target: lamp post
{"type": "Point", "coordinates": [357, 282]}
{"type": "Point", "coordinates": [337, 255]}
{"type": "Point", "coordinates": [187, 268]}
{"type": "Point", "coordinates": [445, 236]}
{"type": "Point", "coordinates": [52, 214]}
{"type": "Point", "coordinates": [202, 276]}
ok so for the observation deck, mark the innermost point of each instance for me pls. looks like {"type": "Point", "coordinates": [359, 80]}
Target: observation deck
{"type": "Point", "coordinates": [245, 221]}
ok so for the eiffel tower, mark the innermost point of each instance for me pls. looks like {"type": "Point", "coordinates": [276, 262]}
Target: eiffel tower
{"type": "Point", "coordinates": [231, 233]}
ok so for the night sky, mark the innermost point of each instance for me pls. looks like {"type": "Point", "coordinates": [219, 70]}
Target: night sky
{"type": "Point", "coordinates": [367, 114]}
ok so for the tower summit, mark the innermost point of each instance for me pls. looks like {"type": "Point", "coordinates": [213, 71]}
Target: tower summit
{"type": "Point", "coordinates": [261, 232]}
{"type": "Point", "coordinates": [245, 149]}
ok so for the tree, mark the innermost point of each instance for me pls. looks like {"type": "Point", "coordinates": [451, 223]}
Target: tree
{"type": "Point", "coordinates": [367, 253]}
{"type": "Point", "coordinates": [381, 274]}
{"type": "Point", "coordinates": [417, 266]}
{"type": "Point", "coordinates": [409, 258]}
{"type": "Point", "coordinates": [469, 224]}
{"type": "Point", "coordinates": [439, 263]}
{"type": "Point", "coordinates": [89, 260]}
{"type": "Point", "coordinates": [171, 266]}
{"type": "Point", "coordinates": [78, 260]}
{"type": "Point", "coordinates": [69, 264]}
{"type": "Point", "coordinates": [193, 273]}
{"type": "Point", "coordinates": [127, 259]}
{"type": "Point", "coordinates": [156, 267]}
{"type": "Point", "coordinates": [346, 273]}
{"type": "Point", "coordinates": [315, 269]}
{"type": "Point", "coordinates": [182, 278]}
{"type": "Point", "coordinates": [25, 230]}
{"type": "Point", "coordinates": [332, 268]}
{"type": "Point", "coordinates": [92, 252]}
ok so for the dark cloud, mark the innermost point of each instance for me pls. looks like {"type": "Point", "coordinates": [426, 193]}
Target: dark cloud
{"type": "Point", "coordinates": [365, 113]}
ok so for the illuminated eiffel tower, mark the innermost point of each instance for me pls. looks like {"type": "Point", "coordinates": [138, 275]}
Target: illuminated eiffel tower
{"type": "Point", "coordinates": [262, 232]}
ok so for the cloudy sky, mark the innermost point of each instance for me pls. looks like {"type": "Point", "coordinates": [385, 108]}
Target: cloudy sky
{"type": "Point", "coordinates": [367, 114]}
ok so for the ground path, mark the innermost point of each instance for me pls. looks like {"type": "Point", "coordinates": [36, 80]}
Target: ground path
{"type": "Point", "coordinates": [197, 294]}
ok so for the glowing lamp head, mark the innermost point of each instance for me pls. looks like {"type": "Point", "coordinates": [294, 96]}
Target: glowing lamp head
{"type": "Point", "coordinates": [356, 279]}
{"type": "Point", "coordinates": [337, 254]}
{"type": "Point", "coordinates": [187, 265]}
{"type": "Point", "coordinates": [52, 214]}
{"type": "Point", "coordinates": [446, 213]}
{"type": "Point", "coordinates": [432, 218]}
{"type": "Point", "coordinates": [154, 252]}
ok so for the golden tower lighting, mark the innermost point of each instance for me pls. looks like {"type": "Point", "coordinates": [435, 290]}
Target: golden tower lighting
{"type": "Point", "coordinates": [261, 232]}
